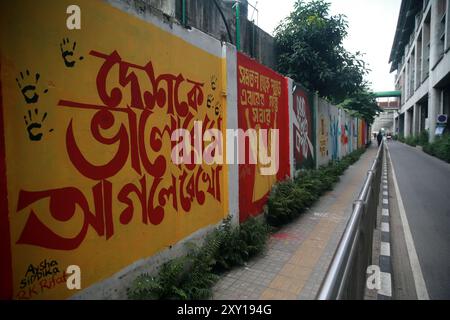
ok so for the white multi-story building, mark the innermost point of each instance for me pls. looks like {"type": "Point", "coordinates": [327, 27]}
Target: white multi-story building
{"type": "Point", "coordinates": [421, 56]}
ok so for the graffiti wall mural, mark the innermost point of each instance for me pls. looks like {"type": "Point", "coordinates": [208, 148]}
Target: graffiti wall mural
{"type": "Point", "coordinates": [88, 116]}
{"type": "Point", "coordinates": [350, 133]}
{"type": "Point", "coordinates": [355, 134]}
{"type": "Point", "coordinates": [349, 120]}
{"type": "Point", "coordinates": [338, 133]}
{"type": "Point", "coordinates": [344, 134]}
{"type": "Point", "coordinates": [262, 104]}
{"type": "Point", "coordinates": [323, 135]}
{"type": "Point", "coordinates": [362, 133]}
{"type": "Point", "coordinates": [335, 136]}
{"type": "Point", "coordinates": [304, 149]}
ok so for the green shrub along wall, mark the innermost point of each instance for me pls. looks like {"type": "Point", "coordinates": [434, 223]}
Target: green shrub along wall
{"type": "Point", "coordinates": [290, 199]}
{"type": "Point", "coordinates": [440, 148]}
{"type": "Point", "coordinates": [191, 277]}
{"type": "Point", "coordinates": [420, 140]}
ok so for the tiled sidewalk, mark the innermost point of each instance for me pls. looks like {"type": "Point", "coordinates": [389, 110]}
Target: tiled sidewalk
{"type": "Point", "coordinates": [298, 256]}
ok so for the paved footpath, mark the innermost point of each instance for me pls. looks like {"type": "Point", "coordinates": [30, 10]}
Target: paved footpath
{"type": "Point", "coordinates": [298, 256]}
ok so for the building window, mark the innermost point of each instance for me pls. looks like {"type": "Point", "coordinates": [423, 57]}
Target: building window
{"type": "Point", "coordinates": [442, 14]}
{"type": "Point", "coordinates": [419, 61]}
{"type": "Point", "coordinates": [412, 72]}
{"type": "Point", "coordinates": [426, 48]}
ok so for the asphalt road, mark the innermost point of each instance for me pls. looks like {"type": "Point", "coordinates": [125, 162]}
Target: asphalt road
{"type": "Point", "coordinates": [424, 184]}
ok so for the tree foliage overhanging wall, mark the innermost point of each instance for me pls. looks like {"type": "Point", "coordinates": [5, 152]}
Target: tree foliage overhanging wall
{"type": "Point", "coordinates": [310, 46]}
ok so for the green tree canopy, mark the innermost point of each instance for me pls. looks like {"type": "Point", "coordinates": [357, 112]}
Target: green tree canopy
{"type": "Point", "coordinates": [362, 104]}
{"type": "Point", "coordinates": [311, 51]}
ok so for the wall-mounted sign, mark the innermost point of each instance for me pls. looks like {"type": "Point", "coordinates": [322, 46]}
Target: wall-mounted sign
{"type": "Point", "coordinates": [439, 131]}
{"type": "Point", "coordinates": [442, 119]}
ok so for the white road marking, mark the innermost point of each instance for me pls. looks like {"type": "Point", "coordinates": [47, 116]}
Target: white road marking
{"type": "Point", "coordinates": [385, 212]}
{"type": "Point", "coordinates": [385, 193]}
{"type": "Point", "coordinates": [385, 249]}
{"type": "Point", "coordinates": [419, 281]}
{"type": "Point", "coordinates": [385, 201]}
{"type": "Point", "coordinates": [385, 227]}
{"type": "Point", "coordinates": [386, 284]}
{"type": "Point", "coordinates": [385, 186]}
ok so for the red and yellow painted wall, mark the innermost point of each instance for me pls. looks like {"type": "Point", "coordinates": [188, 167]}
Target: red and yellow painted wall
{"type": "Point", "coordinates": [87, 122]}
{"type": "Point", "coordinates": [362, 133]}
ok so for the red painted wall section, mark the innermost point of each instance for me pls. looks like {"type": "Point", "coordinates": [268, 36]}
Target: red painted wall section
{"type": "Point", "coordinates": [5, 237]}
{"type": "Point", "coordinates": [262, 104]}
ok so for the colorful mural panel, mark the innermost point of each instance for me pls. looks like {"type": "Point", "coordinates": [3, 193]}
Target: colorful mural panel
{"type": "Point", "coordinates": [262, 104]}
{"type": "Point", "coordinates": [334, 136]}
{"type": "Point", "coordinates": [323, 134]}
{"type": "Point", "coordinates": [343, 132]}
{"type": "Point", "coordinates": [355, 129]}
{"type": "Point", "coordinates": [304, 149]}
{"type": "Point", "coordinates": [362, 133]}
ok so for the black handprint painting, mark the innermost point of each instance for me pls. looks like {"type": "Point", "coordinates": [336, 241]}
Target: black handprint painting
{"type": "Point", "coordinates": [210, 101]}
{"type": "Point", "coordinates": [67, 52]}
{"type": "Point", "coordinates": [28, 83]}
{"type": "Point", "coordinates": [34, 123]}
{"type": "Point", "coordinates": [217, 109]}
{"type": "Point", "coordinates": [214, 82]}
{"type": "Point", "coordinates": [28, 86]}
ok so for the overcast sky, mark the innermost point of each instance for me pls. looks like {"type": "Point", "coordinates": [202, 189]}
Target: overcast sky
{"type": "Point", "coordinates": [372, 25]}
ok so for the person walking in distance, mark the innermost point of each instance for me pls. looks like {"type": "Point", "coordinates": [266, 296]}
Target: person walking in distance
{"type": "Point", "coordinates": [379, 138]}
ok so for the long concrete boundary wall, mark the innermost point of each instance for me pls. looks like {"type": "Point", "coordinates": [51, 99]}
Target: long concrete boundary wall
{"type": "Point", "coordinates": [87, 176]}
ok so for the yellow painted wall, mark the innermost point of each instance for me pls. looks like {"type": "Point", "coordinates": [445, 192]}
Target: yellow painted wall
{"type": "Point", "coordinates": [361, 133]}
{"type": "Point", "coordinates": [34, 37]}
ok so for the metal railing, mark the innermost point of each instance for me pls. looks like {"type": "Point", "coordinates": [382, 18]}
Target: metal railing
{"type": "Point", "coordinates": [346, 276]}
